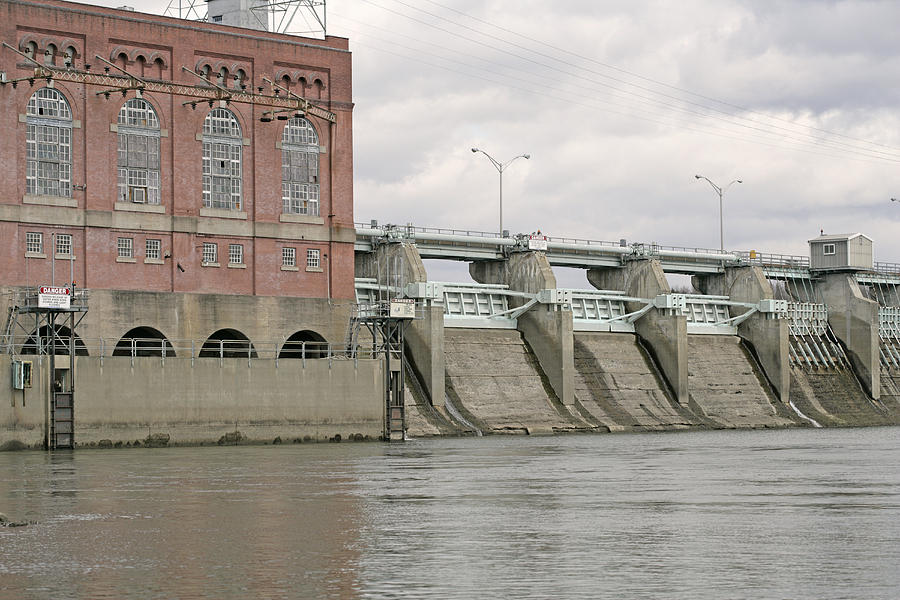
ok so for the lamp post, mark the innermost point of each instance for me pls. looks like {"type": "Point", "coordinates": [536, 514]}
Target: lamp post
{"type": "Point", "coordinates": [500, 168]}
{"type": "Point", "coordinates": [721, 192]}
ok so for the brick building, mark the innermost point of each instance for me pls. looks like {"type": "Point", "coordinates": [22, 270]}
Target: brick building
{"type": "Point", "coordinates": [155, 157]}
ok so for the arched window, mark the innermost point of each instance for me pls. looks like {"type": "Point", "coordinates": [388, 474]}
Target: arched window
{"type": "Point", "coordinates": [48, 145]}
{"type": "Point", "coordinates": [138, 129]}
{"type": "Point", "coordinates": [300, 168]}
{"type": "Point", "coordinates": [222, 160]}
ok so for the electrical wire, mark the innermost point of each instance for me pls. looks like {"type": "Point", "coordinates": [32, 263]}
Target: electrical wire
{"type": "Point", "coordinates": [731, 120]}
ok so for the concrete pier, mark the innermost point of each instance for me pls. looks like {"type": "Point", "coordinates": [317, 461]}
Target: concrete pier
{"type": "Point", "coordinates": [854, 320]}
{"type": "Point", "coordinates": [767, 334]}
{"type": "Point", "coordinates": [546, 328]}
{"type": "Point", "coordinates": [663, 331]}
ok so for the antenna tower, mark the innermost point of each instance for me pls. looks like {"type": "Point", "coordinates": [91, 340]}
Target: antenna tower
{"type": "Point", "coordinates": [298, 17]}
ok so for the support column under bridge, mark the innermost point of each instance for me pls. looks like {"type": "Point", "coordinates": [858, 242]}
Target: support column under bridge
{"type": "Point", "coordinates": [546, 327]}
{"type": "Point", "coordinates": [763, 330]}
{"type": "Point", "coordinates": [396, 264]}
{"type": "Point", "coordinates": [663, 330]}
{"type": "Point", "coordinates": [855, 321]}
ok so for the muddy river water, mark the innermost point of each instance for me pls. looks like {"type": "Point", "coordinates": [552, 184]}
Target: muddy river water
{"type": "Point", "coordinates": [795, 513]}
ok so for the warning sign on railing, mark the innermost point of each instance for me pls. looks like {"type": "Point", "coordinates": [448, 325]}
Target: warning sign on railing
{"type": "Point", "coordinates": [403, 308]}
{"type": "Point", "coordinates": [537, 242]}
{"type": "Point", "coordinates": [54, 297]}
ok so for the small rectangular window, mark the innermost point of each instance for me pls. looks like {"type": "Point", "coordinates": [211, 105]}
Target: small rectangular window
{"type": "Point", "coordinates": [217, 19]}
{"type": "Point", "coordinates": [125, 247]}
{"type": "Point", "coordinates": [152, 249]}
{"type": "Point", "coordinates": [235, 254]}
{"type": "Point", "coordinates": [210, 253]}
{"type": "Point", "coordinates": [34, 242]}
{"type": "Point", "coordinates": [312, 259]}
{"type": "Point", "coordinates": [828, 249]}
{"type": "Point", "coordinates": [64, 244]}
{"type": "Point", "coordinates": [289, 257]}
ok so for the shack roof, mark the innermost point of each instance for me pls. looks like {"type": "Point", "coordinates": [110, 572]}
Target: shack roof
{"type": "Point", "coordinates": [838, 237]}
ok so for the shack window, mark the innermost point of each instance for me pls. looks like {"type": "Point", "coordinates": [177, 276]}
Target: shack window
{"type": "Point", "coordinates": [828, 249]}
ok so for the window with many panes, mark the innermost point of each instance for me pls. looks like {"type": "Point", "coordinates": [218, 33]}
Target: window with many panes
{"type": "Point", "coordinates": [210, 253]}
{"type": "Point", "coordinates": [138, 128]}
{"type": "Point", "coordinates": [125, 247]}
{"type": "Point", "coordinates": [300, 168]}
{"type": "Point", "coordinates": [152, 249]}
{"type": "Point", "coordinates": [222, 160]}
{"type": "Point", "coordinates": [235, 254]}
{"type": "Point", "coordinates": [288, 257]}
{"type": "Point", "coordinates": [312, 259]}
{"type": "Point", "coordinates": [48, 144]}
{"type": "Point", "coordinates": [34, 242]}
{"type": "Point", "coordinates": [64, 244]}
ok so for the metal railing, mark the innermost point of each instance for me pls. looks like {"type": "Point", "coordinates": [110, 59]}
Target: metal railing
{"type": "Point", "coordinates": [780, 261]}
{"type": "Point", "coordinates": [28, 298]}
{"type": "Point", "coordinates": [190, 349]}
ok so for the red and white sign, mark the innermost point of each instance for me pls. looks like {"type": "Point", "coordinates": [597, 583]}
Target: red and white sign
{"type": "Point", "coordinates": [537, 242]}
{"type": "Point", "coordinates": [54, 297]}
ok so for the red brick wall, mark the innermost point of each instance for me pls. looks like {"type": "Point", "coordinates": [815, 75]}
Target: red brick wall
{"type": "Point", "coordinates": [96, 225]}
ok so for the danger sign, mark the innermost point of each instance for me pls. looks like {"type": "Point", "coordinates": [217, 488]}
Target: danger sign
{"type": "Point", "coordinates": [54, 297]}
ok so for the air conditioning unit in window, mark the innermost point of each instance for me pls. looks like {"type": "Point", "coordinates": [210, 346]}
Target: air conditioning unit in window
{"type": "Point", "coordinates": [139, 195]}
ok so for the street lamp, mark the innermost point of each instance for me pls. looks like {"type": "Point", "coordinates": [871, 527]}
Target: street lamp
{"type": "Point", "coordinates": [500, 168]}
{"type": "Point", "coordinates": [721, 192]}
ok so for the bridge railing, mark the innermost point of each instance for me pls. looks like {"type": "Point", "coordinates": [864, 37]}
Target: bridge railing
{"type": "Point", "coordinates": [887, 268]}
{"type": "Point", "coordinates": [781, 261]}
{"type": "Point", "coordinates": [185, 349]}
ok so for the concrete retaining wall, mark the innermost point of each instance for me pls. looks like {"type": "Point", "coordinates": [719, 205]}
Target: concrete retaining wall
{"type": "Point", "coordinates": [208, 402]}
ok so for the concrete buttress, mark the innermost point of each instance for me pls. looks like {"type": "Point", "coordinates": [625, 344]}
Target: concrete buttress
{"type": "Point", "coordinates": [663, 332]}
{"type": "Point", "coordinates": [399, 263]}
{"type": "Point", "coordinates": [854, 320]}
{"type": "Point", "coordinates": [547, 328]}
{"type": "Point", "coordinates": [767, 334]}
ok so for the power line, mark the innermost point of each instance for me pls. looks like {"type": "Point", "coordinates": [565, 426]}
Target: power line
{"type": "Point", "coordinates": [818, 142]}
{"type": "Point", "coordinates": [621, 113]}
{"type": "Point", "coordinates": [641, 77]}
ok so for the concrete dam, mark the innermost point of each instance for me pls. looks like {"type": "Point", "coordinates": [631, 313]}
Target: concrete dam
{"type": "Point", "coordinates": [512, 353]}
{"type": "Point", "coordinates": [760, 342]}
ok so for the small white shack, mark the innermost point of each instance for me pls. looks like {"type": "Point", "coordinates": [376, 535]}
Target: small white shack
{"type": "Point", "coordinates": [841, 252]}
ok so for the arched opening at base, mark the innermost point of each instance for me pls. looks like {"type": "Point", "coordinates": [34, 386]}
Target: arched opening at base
{"type": "Point", "coordinates": [144, 341]}
{"type": "Point", "coordinates": [304, 343]}
{"type": "Point", "coordinates": [228, 343]}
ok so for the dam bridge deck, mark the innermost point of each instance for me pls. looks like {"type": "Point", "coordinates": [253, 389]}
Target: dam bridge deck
{"type": "Point", "coordinates": [468, 245]}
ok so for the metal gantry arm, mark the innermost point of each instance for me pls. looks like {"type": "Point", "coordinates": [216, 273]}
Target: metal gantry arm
{"type": "Point", "coordinates": [200, 93]}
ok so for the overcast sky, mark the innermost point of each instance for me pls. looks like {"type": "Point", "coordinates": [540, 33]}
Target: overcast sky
{"type": "Point", "coordinates": [620, 104]}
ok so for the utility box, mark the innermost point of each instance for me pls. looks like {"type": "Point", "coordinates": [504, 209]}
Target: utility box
{"type": "Point", "coordinates": [21, 374]}
{"type": "Point", "coordinates": [841, 252]}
